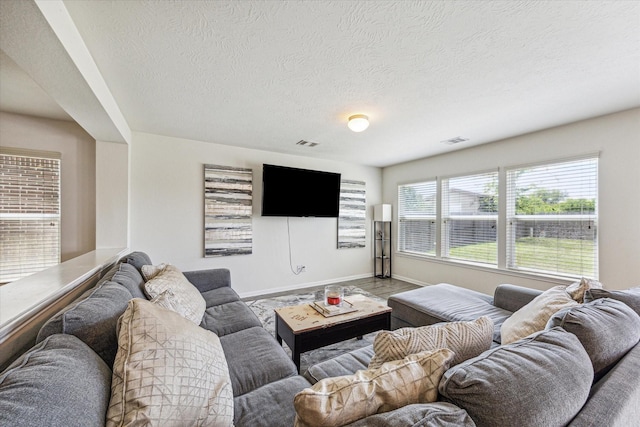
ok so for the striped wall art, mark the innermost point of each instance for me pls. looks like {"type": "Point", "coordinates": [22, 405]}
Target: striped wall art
{"type": "Point", "coordinates": [351, 219]}
{"type": "Point", "coordinates": [227, 211]}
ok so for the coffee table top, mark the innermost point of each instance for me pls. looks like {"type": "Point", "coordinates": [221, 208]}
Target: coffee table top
{"type": "Point", "coordinates": [302, 318]}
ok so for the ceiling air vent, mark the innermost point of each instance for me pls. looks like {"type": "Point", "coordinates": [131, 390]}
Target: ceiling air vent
{"type": "Point", "coordinates": [306, 143]}
{"type": "Point", "coordinates": [456, 140]}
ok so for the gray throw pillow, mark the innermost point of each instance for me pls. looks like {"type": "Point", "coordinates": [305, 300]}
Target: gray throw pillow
{"type": "Point", "coordinates": [93, 320]}
{"type": "Point", "coordinates": [59, 382]}
{"type": "Point", "coordinates": [631, 297]}
{"type": "Point", "coordinates": [541, 380]}
{"type": "Point", "coordinates": [607, 329]}
{"type": "Point", "coordinates": [137, 259]}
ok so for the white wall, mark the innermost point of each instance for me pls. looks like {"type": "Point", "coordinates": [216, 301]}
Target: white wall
{"type": "Point", "coordinates": [112, 195]}
{"type": "Point", "coordinates": [616, 137]}
{"type": "Point", "coordinates": [166, 216]}
{"type": "Point", "coordinates": [78, 207]}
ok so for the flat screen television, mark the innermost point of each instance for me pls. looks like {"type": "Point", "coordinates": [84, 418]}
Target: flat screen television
{"type": "Point", "coordinates": [299, 192]}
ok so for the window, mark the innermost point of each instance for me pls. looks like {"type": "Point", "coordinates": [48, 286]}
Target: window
{"type": "Point", "coordinates": [417, 218]}
{"type": "Point", "coordinates": [470, 218]}
{"type": "Point", "coordinates": [29, 212]}
{"type": "Point", "coordinates": [547, 223]}
{"type": "Point", "coordinates": [552, 218]}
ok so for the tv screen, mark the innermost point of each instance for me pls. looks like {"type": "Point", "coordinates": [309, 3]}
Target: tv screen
{"type": "Point", "coordinates": [299, 192]}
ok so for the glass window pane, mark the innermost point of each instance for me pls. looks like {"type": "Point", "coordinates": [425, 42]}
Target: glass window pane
{"type": "Point", "coordinates": [416, 213]}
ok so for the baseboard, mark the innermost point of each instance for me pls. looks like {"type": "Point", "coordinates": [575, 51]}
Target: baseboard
{"type": "Point", "coordinates": [302, 286]}
{"type": "Point", "coordinates": [412, 281]}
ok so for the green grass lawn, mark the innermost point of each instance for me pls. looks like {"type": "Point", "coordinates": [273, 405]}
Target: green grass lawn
{"type": "Point", "coordinates": [567, 256]}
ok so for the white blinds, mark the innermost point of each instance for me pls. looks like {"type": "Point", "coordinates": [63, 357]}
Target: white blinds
{"type": "Point", "coordinates": [470, 217]}
{"type": "Point", "coordinates": [552, 218]}
{"type": "Point", "coordinates": [29, 213]}
{"type": "Point", "coordinates": [417, 218]}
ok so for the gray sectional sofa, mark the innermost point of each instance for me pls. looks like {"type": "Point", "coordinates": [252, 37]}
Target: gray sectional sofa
{"type": "Point", "coordinates": [65, 379]}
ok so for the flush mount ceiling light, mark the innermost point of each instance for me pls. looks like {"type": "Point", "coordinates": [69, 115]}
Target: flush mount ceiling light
{"type": "Point", "coordinates": [358, 122]}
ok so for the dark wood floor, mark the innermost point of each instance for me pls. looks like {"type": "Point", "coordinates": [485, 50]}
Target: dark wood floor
{"type": "Point", "coordinates": [381, 288]}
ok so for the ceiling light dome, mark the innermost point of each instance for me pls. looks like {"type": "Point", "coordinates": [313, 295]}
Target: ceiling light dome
{"type": "Point", "coordinates": [358, 122]}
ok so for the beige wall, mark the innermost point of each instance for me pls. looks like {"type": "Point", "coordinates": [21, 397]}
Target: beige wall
{"type": "Point", "coordinates": [616, 137]}
{"type": "Point", "coordinates": [77, 175]}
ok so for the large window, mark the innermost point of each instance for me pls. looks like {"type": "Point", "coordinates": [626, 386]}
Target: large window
{"type": "Point", "coordinates": [552, 218]}
{"type": "Point", "coordinates": [470, 218]}
{"type": "Point", "coordinates": [417, 218]}
{"type": "Point", "coordinates": [547, 223]}
{"type": "Point", "coordinates": [29, 212]}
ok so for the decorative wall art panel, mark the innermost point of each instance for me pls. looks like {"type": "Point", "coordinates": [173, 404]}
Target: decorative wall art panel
{"type": "Point", "coordinates": [351, 219]}
{"type": "Point", "coordinates": [227, 211]}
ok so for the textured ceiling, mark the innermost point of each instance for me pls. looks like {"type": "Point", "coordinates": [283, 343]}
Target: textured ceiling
{"type": "Point", "coordinates": [265, 75]}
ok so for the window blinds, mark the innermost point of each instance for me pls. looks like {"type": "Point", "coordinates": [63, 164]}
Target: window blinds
{"type": "Point", "coordinates": [29, 213]}
{"type": "Point", "coordinates": [552, 218]}
{"type": "Point", "coordinates": [417, 218]}
{"type": "Point", "coordinates": [470, 217]}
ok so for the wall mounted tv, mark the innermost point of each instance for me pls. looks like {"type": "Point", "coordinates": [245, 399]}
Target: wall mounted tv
{"type": "Point", "coordinates": [299, 192]}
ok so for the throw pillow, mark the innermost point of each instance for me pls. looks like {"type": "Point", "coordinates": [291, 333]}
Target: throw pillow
{"type": "Point", "coordinates": [606, 328]}
{"type": "Point", "coordinates": [631, 297]}
{"type": "Point", "coordinates": [465, 339]}
{"type": "Point", "coordinates": [168, 372]}
{"type": "Point", "coordinates": [342, 400]}
{"type": "Point", "coordinates": [534, 316]}
{"type": "Point", "coordinates": [542, 380]}
{"type": "Point", "coordinates": [576, 290]}
{"type": "Point", "coordinates": [186, 295]}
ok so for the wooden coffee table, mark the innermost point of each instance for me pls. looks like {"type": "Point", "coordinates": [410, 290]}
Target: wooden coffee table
{"type": "Point", "coordinates": [304, 329]}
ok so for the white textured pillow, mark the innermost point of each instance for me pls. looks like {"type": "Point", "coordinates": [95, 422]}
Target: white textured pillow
{"type": "Point", "coordinates": [342, 400]}
{"type": "Point", "coordinates": [576, 290]}
{"type": "Point", "coordinates": [169, 301]}
{"type": "Point", "coordinates": [534, 316]}
{"type": "Point", "coordinates": [168, 372]}
{"type": "Point", "coordinates": [465, 339]}
{"type": "Point", "coordinates": [184, 293]}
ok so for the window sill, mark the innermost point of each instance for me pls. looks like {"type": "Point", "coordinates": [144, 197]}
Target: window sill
{"type": "Point", "coordinates": [556, 280]}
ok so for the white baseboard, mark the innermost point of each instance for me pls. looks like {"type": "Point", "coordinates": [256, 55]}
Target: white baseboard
{"type": "Point", "coordinates": [302, 286]}
{"type": "Point", "coordinates": [410, 280]}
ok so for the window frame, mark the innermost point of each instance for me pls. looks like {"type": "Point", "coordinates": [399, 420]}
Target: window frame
{"type": "Point", "coordinates": [430, 218]}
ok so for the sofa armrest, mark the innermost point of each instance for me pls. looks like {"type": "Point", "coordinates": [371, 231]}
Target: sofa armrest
{"type": "Point", "coordinates": [512, 297]}
{"type": "Point", "coordinates": [206, 280]}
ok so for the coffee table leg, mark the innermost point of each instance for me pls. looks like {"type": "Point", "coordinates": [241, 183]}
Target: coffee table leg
{"type": "Point", "coordinates": [278, 338]}
{"type": "Point", "coordinates": [295, 355]}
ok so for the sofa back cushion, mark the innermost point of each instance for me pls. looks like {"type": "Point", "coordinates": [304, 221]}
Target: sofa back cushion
{"type": "Point", "coordinates": [129, 277]}
{"type": "Point", "coordinates": [541, 380]}
{"type": "Point", "coordinates": [60, 382]}
{"type": "Point", "coordinates": [92, 319]}
{"type": "Point", "coordinates": [137, 259]}
{"type": "Point", "coordinates": [631, 297]}
{"type": "Point", "coordinates": [607, 329]}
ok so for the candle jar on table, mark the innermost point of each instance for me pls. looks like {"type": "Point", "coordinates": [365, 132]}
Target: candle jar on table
{"type": "Point", "coordinates": [333, 295]}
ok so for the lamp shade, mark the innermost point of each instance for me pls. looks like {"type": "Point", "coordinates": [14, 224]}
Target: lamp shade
{"type": "Point", "coordinates": [358, 122]}
{"type": "Point", "coordinates": [382, 213]}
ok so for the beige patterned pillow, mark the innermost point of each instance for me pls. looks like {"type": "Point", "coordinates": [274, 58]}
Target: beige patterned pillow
{"type": "Point", "coordinates": [168, 300]}
{"type": "Point", "coordinates": [187, 296]}
{"type": "Point", "coordinates": [576, 290]}
{"type": "Point", "coordinates": [342, 400]}
{"type": "Point", "coordinates": [465, 339]}
{"type": "Point", "coordinates": [168, 372]}
{"type": "Point", "coordinates": [534, 316]}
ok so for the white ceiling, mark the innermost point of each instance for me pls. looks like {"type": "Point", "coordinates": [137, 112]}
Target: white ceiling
{"type": "Point", "coordinates": [265, 75]}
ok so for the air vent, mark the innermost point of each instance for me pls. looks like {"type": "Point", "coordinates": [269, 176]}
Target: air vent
{"type": "Point", "coordinates": [306, 143]}
{"type": "Point", "coordinates": [456, 140]}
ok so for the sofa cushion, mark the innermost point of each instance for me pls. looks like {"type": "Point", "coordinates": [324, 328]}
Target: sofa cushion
{"type": "Point", "coordinates": [255, 358]}
{"type": "Point", "coordinates": [60, 382]}
{"type": "Point", "coordinates": [541, 380]}
{"type": "Point", "coordinates": [168, 277]}
{"type": "Point", "coordinates": [342, 400]}
{"type": "Point", "coordinates": [436, 414]}
{"type": "Point", "coordinates": [129, 277]}
{"type": "Point", "coordinates": [168, 371]}
{"type": "Point", "coordinates": [631, 297]}
{"type": "Point", "coordinates": [228, 318]}
{"type": "Point", "coordinates": [606, 328]}
{"type": "Point", "coordinates": [344, 364]}
{"type": "Point", "coordinates": [534, 316]}
{"type": "Point", "coordinates": [444, 303]}
{"type": "Point", "coordinates": [137, 259]}
{"type": "Point", "coordinates": [220, 296]}
{"type": "Point", "coordinates": [92, 319]}
{"type": "Point", "coordinates": [465, 339]}
{"type": "Point", "coordinates": [270, 405]}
